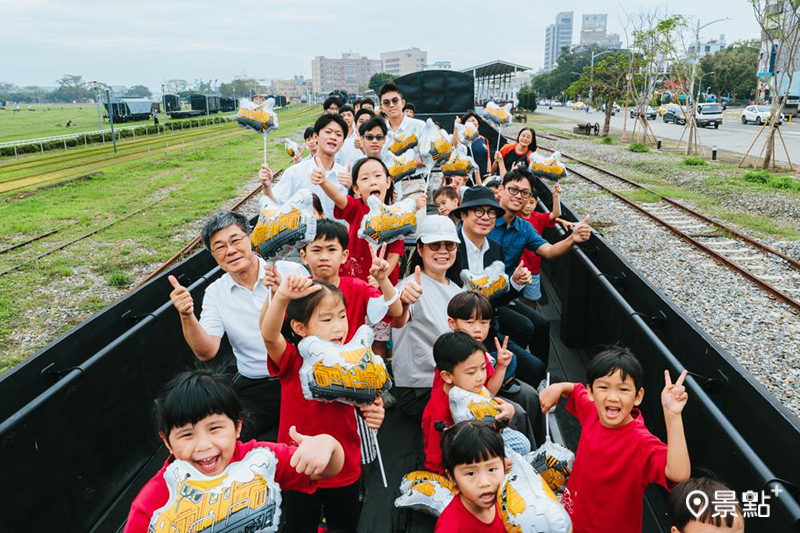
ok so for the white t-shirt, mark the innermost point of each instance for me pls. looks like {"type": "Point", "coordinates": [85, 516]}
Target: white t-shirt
{"type": "Point", "coordinates": [233, 309]}
{"type": "Point", "coordinates": [298, 177]}
{"type": "Point", "coordinates": [349, 154]}
{"type": "Point", "coordinates": [412, 361]}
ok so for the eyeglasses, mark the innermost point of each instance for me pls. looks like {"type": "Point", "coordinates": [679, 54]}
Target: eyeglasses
{"type": "Point", "coordinates": [522, 193]}
{"type": "Point", "coordinates": [484, 211]}
{"type": "Point", "coordinates": [222, 247]}
{"type": "Point", "coordinates": [448, 245]}
{"type": "Point", "coordinates": [369, 137]}
{"type": "Point", "coordinates": [393, 101]}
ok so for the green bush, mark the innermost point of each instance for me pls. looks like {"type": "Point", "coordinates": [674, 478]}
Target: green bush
{"type": "Point", "coordinates": [757, 176]}
{"type": "Point", "coordinates": [693, 161]}
{"type": "Point", "coordinates": [606, 140]}
{"type": "Point", "coordinates": [638, 148]}
{"type": "Point", "coordinates": [784, 182]}
{"type": "Point", "coordinates": [119, 278]}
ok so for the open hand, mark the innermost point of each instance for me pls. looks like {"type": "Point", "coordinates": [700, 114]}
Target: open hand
{"type": "Point", "coordinates": [313, 453]}
{"type": "Point", "coordinates": [181, 297]}
{"type": "Point", "coordinates": [413, 289]}
{"type": "Point", "coordinates": [674, 397]}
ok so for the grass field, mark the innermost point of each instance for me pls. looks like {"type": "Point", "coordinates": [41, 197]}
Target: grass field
{"type": "Point", "coordinates": [48, 120]}
{"type": "Point", "coordinates": [47, 297]}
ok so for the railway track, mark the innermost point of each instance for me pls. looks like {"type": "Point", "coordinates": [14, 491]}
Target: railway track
{"type": "Point", "coordinates": [771, 270]}
{"type": "Point", "coordinates": [195, 242]}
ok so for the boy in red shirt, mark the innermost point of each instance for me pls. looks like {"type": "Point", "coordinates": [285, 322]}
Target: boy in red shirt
{"type": "Point", "coordinates": [199, 419]}
{"type": "Point", "coordinates": [617, 456]}
{"type": "Point", "coordinates": [461, 361]}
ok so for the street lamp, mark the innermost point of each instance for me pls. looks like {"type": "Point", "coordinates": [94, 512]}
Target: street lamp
{"type": "Point", "coordinates": [111, 118]}
{"type": "Point", "coordinates": [164, 103]}
{"type": "Point", "coordinates": [697, 47]}
{"type": "Point", "coordinates": [97, 97]}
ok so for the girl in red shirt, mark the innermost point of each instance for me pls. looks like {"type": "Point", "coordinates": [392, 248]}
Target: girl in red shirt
{"type": "Point", "coordinates": [199, 420]}
{"type": "Point", "coordinates": [473, 456]}
{"type": "Point", "coordinates": [315, 308]}
{"type": "Point", "coordinates": [515, 153]}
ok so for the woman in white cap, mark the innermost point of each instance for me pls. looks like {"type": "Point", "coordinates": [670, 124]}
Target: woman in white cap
{"type": "Point", "coordinates": [425, 294]}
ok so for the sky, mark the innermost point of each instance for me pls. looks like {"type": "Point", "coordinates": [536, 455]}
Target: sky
{"type": "Point", "coordinates": [148, 42]}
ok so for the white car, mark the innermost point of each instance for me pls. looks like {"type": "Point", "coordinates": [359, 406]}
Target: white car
{"type": "Point", "coordinates": [758, 114]}
{"type": "Point", "coordinates": [709, 114]}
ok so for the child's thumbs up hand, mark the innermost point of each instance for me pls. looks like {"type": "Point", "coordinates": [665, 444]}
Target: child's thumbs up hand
{"type": "Point", "coordinates": [313, 453]}
{"type": "Point", "coordinates": [413, 289]}
{"type": "Point", "coordinates": [181, 298]}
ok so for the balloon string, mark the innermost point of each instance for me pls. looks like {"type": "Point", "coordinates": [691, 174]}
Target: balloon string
{"type": "Point", "coordinates": [378, 455]}
{"type": "Point", "coordinates": [547, 414]}
{"type": "Point", "coordinates": [264, 135]}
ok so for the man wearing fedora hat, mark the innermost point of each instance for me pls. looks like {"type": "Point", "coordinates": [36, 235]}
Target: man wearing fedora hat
{"type": "Point", "coordinates": [478, 212]}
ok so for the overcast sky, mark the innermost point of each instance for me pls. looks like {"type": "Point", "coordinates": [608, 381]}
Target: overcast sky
{"type": "Point", "coordinates": [147, 42]}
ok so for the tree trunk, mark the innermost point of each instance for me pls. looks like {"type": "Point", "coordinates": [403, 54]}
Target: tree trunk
{"type": "Point", "coordinates": [770, 144]}
{"type": "Point", "coordinates": [607, 121]}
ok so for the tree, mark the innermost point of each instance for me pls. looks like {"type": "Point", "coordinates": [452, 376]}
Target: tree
{"type": "Point", "coordinates": [7, 89]}
{"type": "Point", "coordinates": [780, 32]}
{"type": "Point", "coordinates": [527, 98]}
{"type": "Point", "coordinates": [734, 69]}
{"type": "Point", "coordinates": [607, 81]}
{"type": "Point", "coordinates": [379, 79]}
{"type": "Point", "coordinates": [176, 86]}
{"type": "Point", "coordinates": [71, 88]}
{"type": "Point", "coordinates": [239, 87]}
{"type": "Point", "coordinates": [139, 91]}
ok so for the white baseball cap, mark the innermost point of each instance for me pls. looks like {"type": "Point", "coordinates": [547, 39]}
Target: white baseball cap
{"type": "Point", "coordinates": [437, 228]}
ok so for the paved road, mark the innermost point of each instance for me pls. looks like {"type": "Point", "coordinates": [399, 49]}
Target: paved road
{"type": "Point", "coordinates": [732, 135]}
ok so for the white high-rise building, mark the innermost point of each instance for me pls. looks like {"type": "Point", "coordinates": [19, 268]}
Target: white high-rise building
{"type": "Point", "coordinates": [402, 62]}
{"type": "Point", "coordinates": [594, 32]}
{"type": "Point", "coordinates": [557, 37]}
{"type": "Point", "coordinates": [348, 73]}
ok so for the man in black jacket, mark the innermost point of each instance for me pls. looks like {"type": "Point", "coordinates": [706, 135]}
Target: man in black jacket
{"type": "Point", "coordinates": [478, 212]}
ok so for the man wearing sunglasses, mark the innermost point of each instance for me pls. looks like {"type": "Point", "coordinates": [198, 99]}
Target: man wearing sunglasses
{"type": "Point", "coordinates": [392, 103]}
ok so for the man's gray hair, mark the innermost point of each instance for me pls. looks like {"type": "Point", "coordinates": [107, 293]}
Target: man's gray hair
{"type": "Point", "coordinates": [220, 221]}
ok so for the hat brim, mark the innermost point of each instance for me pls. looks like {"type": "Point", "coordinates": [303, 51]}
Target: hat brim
{"type": "Point", "coordinates": [479, 203]}
{"type": "Point", "coordinates": [438, 237]}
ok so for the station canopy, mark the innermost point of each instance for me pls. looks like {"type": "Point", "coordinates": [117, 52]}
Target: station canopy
{"type": "Point", "coordinates": [494, 80]}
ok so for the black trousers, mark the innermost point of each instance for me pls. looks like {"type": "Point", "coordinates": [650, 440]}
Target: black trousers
{"type": "Point", "coordinates": [412, 400]}
{"type": "Point", "coordinates": [526, 327]}
{"type": "Point", "coordinates": [340, 506]}
{"type": "Point", "coordinates": [261, 400]}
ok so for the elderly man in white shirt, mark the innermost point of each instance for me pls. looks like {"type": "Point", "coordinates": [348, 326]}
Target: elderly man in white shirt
{"type": "Point", "coordinates": [330, 131]}
{"type": "Point", "coordinates": [231, 306]}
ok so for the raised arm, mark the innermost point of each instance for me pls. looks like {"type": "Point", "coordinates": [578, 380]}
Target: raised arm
{"type": "Point", "coordinates": [580, 233]}
{"type": "Point", "coordinates": [503, 360]}
{"type": "Point", "coordinates": [550, 396]}
{"type": "Point", "coordinates": [556, 212]}
{"type": "Point", "coordinates": [291, 288]}
{"type": "Point", "coordinates": [203, 345]}
{"type": "Point", "coordinates": [673, 400]}
{"type": "Point", "coordinates": [380, 270]}
{"type": "Point", "coordinates": [319, 177]}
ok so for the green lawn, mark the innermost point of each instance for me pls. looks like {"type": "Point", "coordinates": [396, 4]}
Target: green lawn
{"type": "Point", "coordinates": [44, 299]}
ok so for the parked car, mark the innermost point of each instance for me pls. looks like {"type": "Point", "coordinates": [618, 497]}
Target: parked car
{"type": "Point", "coordinates": [614, 109]}
{"type": "Point", "coordinates": [646, 110]}
{"type": "Point", "coordinates": [675, 113]}
{"type": "Point", "coordinates": [758, 114]}
{"type": "Point", "coordinates": [579, 106]}
{"type": "Point", "coordinates": [556, 103]}
{"type": "Point", "coordinates": [709, 114]}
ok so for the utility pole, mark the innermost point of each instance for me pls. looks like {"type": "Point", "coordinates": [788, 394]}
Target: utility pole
{"type": "Point", "coordinates": [164, 104]}
{"type": "Point", "coordinates": [97, 97]}
{"type": "Point", "coordinates": [591, 74]}
{"type": "Point", "coordinates": [111, 119]}
{"type": "Point", "coordinates": [624, 137]}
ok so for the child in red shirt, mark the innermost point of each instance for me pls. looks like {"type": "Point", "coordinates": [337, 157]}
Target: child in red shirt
{"type": "Point", "coordinates": [200, 419]}
{"type": "Point", "coordinates": [370, 178]}
{"type": "Point", "coordinates": [540, 221]}
{"type": "Point", "coordinates": [461, 361]}
{"type": "Point", "coordinates": [474, 460]}
{"type": "Point", "coordinates": [617, 456]}
{"type": "Point", "coordinates": [315, 308]}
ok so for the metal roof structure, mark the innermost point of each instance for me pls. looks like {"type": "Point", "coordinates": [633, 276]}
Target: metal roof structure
{"type": "Point", "coordinates": [494, 80]}
{"type": "Point", "coordinates": [495, 68]}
